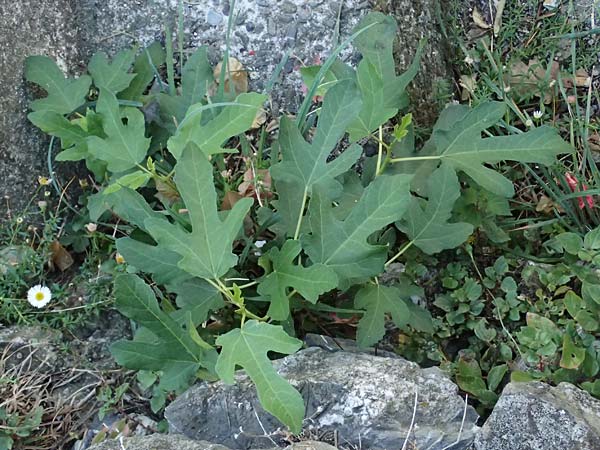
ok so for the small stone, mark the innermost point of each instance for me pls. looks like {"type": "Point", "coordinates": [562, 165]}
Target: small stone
{"type": "Point", "coordinates": [264, 3]}
{"type": "Point", "coordinates": [303, 15]}
{"type": "Point", "coordinates": [271, 26]}
{"type": "Point", "coordinates": [213, 17]}
{"type": "Point", "coordinates": [286, 18]}
{"type": "Point", "coordinates": [291, 31]}
{"type": "Point", "coordinates": [288, 7]}
{"type": "Point", "coordinates": [243, 38]}
{"type": "Point", "coordinates": [250, 27]}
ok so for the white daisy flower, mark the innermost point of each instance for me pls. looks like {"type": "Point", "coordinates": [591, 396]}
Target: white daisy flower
{"type": "Point", "coordinates": [39, 296]}
{"type": "Point", "coordinates": [537, 114]}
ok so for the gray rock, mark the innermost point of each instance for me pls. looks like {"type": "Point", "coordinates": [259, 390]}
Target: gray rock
{"type": "Point", "coordinates": [537, 416]}
{"type": "Point", "coordinates": [178, 442]}
{"type": "Point", "coordinates": [366, 400]}
{"type": "Point", "coordinates": [19, 343]}
{"type": "Point", "coordinates": [156, 442]}
{"type": "Point", "coordinates": [213, 17]}
{"type": "Point", "coordinates": [27, 27]}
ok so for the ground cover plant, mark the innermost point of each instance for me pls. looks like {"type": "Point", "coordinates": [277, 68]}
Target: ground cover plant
{"type": "Point", "coordinates": [236, 242]}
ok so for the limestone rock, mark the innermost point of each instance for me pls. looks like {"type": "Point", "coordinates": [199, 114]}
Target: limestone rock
{"type": "Point", "coordinates": [178, 442]}
{"type": "Point", "coordinates": [367, 400]}
{"type": "Point", "coordinates": [156, 442]}
{"type": "Point", "coordinates": [537, 416]}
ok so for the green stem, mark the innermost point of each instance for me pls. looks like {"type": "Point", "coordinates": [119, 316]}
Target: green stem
{"type": "Point", "coordinates": [380, 152]}
{"type": "Point", "coordinates": [301, 213]}
{"type": "Point", "coordinates": [414, 158]}
{"type": "Point", "coordinates": [400, 253]}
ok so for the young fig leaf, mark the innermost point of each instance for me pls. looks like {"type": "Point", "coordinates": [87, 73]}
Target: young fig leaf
{"type": "Point", "coordinates": [174, 351]}
{"type": "Point", "coordinates": [342, 245]}
{"type": "Point", "coordinates": [210, 136]}
{"type": "Point", "coordinates": [125, 145]}
{"type": "Point", "coordinates": [196, 78]}
{"type": "Point", "coordinates": [114, 76]}
{"type": "Point", "coordinates": [206, 251]}
{"type": "Point", "coordinates": [457, 141]}
{"type": "Point", "coordinates": [305, 164]}
{"type": "Point", "coordinates": [428, 227]}
{"type": "Point", "coordinates": [379, 300]}
{"type": "Point", "coordinates": [310, 282]}
{"type": "Point", "coordinates": [64, 94]}
{"type": "Point", "coordinates": [247, 347]}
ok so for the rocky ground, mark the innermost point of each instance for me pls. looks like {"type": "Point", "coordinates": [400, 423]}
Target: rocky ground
{"type": "Point", "coordinates": [355, 400]}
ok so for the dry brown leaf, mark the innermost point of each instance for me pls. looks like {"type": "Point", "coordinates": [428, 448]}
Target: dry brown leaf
{"type": "Point", "coordinates": [61, 258]}
{"type": "Point", "coordinates": [582, 79]}
{"type": "Point", "coordinates": [468, 84]}
{"type": "Point", "coordinates": [546, 205]}
{"type": "Point", "coordinates": [259, 119]}
{"type": "Point", "coordinates": [235, 72]}
{"type": "Point", "coordinates": [229, 199]}
{"type": "Point", "coordinates": [525, 78]}
{"type": "Point", "coordinates": [594, 142]}
{"type": "Point", "coordinates": [166, 193]}
{"type": "Point", "coordinates": [256, 183]}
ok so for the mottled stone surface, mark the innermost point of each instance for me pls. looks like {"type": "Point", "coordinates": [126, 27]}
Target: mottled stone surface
{"type": "Point", "coordinates": [263, 31]}
{"type": "Point", "coordinates": [178, 442]}
{"type": "Point", "coordinates": [27, 27]}
{"type": "Point", "coordinates": [367, 400]}
{"type": "Point", "coordinates": [156, 442]}
{"type": "Point", "coordinates": [537, 416]}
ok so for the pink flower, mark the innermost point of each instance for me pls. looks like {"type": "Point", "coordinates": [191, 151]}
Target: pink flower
{"type": "Point", "coordinates": [573, 185]}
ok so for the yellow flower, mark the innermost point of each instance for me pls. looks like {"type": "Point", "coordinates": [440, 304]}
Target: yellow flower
{"type": "Point", "coordinates": [44, 181]}
{"type": "Point", "coordinates": [119, 258]}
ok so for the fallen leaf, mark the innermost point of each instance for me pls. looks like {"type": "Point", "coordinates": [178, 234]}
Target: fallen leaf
{"type": "Point", "coordinates": [235, 74]}
{"type": "Point", "coordinates": [261, 118]}
{"type": "Point", "coordinates": [468, 84]}
{"type": "Point", "coordinates": [524, 79]}
{"type": "Point", "coordinates": [582, 79]}
{"type": "Point", "coordinates": [229, 199]}
{"type": "Point", "coordinates": [166, 193]}
{"type": "Point", "coordinates": [256, 182]}
{"type": "Point", "coordinates": [61, 258]}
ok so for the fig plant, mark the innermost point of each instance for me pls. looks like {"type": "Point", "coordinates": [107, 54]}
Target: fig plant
{"type": "Point", "coordinates": [158, 151]}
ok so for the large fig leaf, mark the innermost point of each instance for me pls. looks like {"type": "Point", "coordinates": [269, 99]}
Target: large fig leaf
{"type": "Point", "coordinates": [305, 164]}
{"type": "Point", "coordinates": [173, 352]}
{"type": "Point", "coordinates": [247, 347]}
{"type": "Point", "coordinates": [125, 145]}
{"type": "Point", "coordinates": [342, 245]}
{"type": "Point", "coordinates": [196, 77]}
{"type": "Point", "coordinates": [310, 282]}
{"type": "Point", "coordinates": [206, 251]}
{"type": "Point", "coordinates": [428, 227]}
{"type": "Point", "coordinates": [379, 300]}
{"type": "Point", "coordinates": [457, 141]}
{"type": "Point", "coordinates": [144, 68]}
{"type": "Point", "coordinates": [153, 259]}
{"type": "Point", "coordinates": [383, 92]}
{"type": "Point", "coordinates": [195, 298]}
{"type": "Point", "coordinates": [113, 75]}
{"type": "Point", "coordinates": [210, 136]}
{"type": "Point", "coordinates": [64, 94]}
